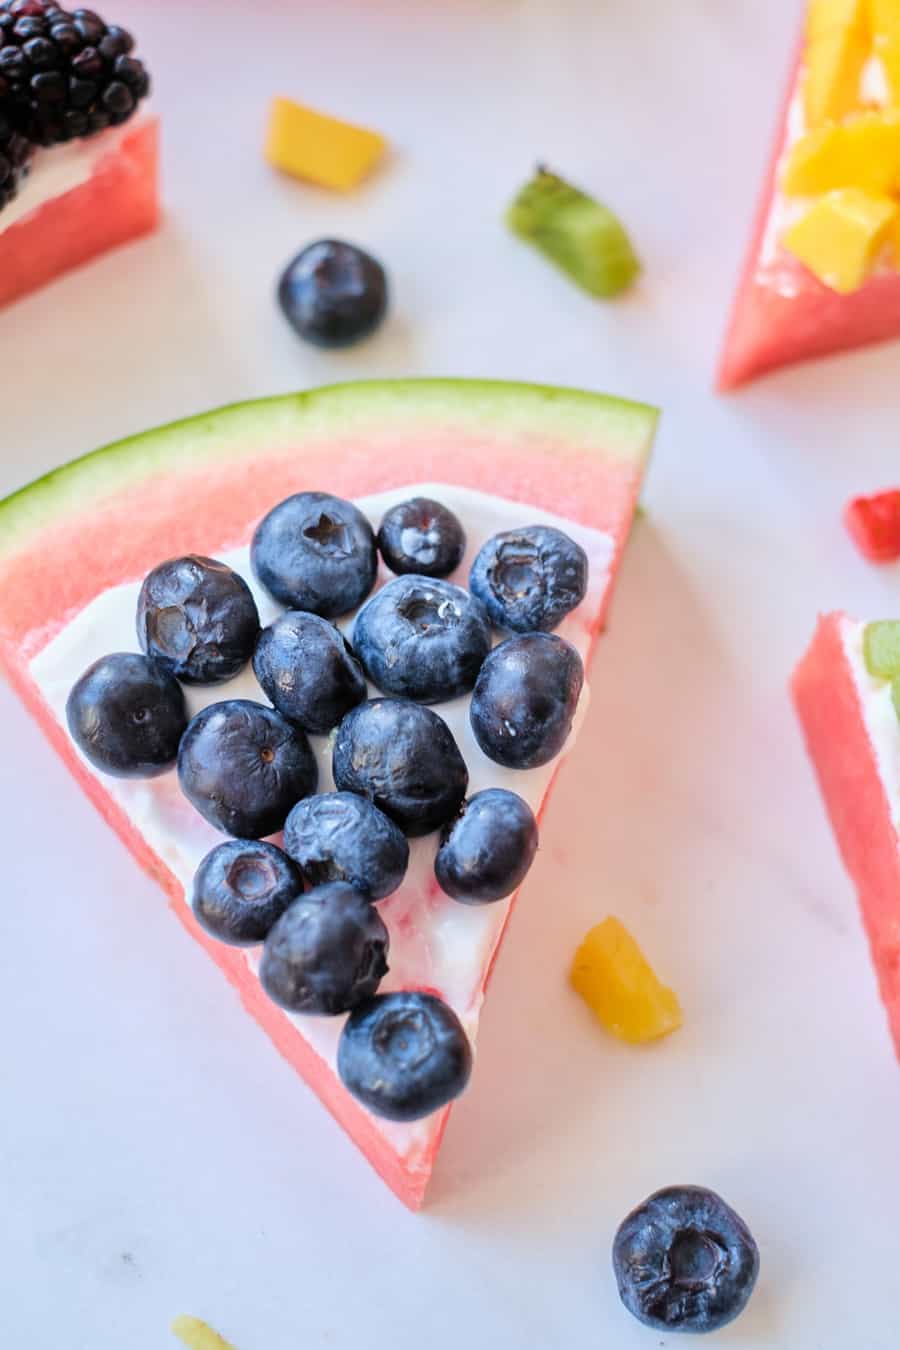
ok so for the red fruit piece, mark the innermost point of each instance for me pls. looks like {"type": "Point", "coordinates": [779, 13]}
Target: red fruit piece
{"type": "Point", "coordinates": [874, 525]}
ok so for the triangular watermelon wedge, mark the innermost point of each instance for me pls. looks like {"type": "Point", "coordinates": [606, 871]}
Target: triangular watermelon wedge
{"type": "Point", "coordinates": [782, 313]}
{"type": "Point", "coordinates": [74, 546]}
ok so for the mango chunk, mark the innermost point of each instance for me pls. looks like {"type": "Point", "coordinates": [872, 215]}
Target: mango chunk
{"type": "Point", "coordinates": [889, 55]}
{"type": "Point", "coordinates": [319, 148]}
{"type": "Point", "coordinates": [613, 976]}
{"type": "Point", "coordinates": [883, 17]}
{"type": "Point", "coordinates": [863, 152]}
{"type": "Point", "coordinates": [834, 66]}
{"type": "Point", "coordinates": [829, 16]}
{"type": "Point", "coordinates": [196, 1335]}
{"type": "Point", "coordinates": [840, 238]}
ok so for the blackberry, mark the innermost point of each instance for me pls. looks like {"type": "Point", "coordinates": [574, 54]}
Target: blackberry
{"type": "Point", "coordinates": [15, 158]}
{"type": "Point", "coordinates": [65, 75]}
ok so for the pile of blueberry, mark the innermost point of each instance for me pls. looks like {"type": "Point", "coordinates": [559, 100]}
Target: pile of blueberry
{"type": "Point", "coordinates": [249, 769]}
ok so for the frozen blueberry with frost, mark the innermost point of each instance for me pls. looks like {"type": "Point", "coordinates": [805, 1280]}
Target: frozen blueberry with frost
{"type": "Point", "coordinates": [327, 953]}
{"type": "Point", "coordinates": [339, 836]}
{"type": "Point", "coordinates": [422, 638]}
{"type": "Point", "coordinates": [404, 1055]}
{"type": "Point", "coordinates": [528, 580]}
{"type": "Point", "coordinates": [525, 699]}
{"type": "Point", "coordinates": [127, 716]}
{"type": "Point", "coordinates": [241, 887]}
{"type": "Point", "coordinates": [684, 1261]}
{"type": "Point", "coordinates": [243, 766]}
{"type": "Point", "coordinates": [423, 537]}
{"type": "Point", "coordinates": [404, 759]}
{"type": "Point", "coordinates": [198, 619]}
{"type": "Point", "coordinates": [307, 668]}
{"type": "Point", "coordinates": [486, 852]}
{"type": "Point", "coordinates": [333, 294]}
{"type": "Point", "coordinates": [316, 552]}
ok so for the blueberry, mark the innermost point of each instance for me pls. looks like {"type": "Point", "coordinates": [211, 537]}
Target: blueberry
{"type": "Point", "coordinates": [421, 536]}
{"type": "Point", "coordinates": [684, 1261]}
{"type": "Point", "coordinates": [339, 836]}
{"type": "Point", "coordinates": [404, 759]}
{"type": "Point", "coordinates": [486, 852]}
{"type": "Point", "coordinates": [404, 1055]}
{"type": "Point", "coordinates": [127, 716]}
{"type": "Point", "coordinates": [241, 888]}
{"type": "Point", "coordinates": [243, 766]}
{"type": "Point", "coordinates": [525, 698]}
{"type": "Point", "coordinates": [422, 638]}
{"type": "Point", "coordinates": [327, 953]}
{"type": "Point", "coordinates": [198, 619]}
{"type": "Point", "coordinates": [316, 552]}
{"type": "Point", "coordinates": [309, 672]}
{"type": "Point", "coordinates": [333, 294]}
{"type": "Point", "coordinates": [528, 580]}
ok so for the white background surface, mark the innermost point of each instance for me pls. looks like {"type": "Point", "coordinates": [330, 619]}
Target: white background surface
{"type": "Point", "coordinates": [156, 1155]}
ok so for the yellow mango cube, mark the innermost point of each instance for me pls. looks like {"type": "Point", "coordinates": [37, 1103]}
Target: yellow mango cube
{"type": "Point", "coordinates": [889, 55]}
{"type": "Point", "coordinates": [613, 976]}
{"type": "Point", "coordinates": [827, 16]}
{"type": "Point", "coordinates": [840, 238]}
{"type": "Point", "coordinates": [883, 19]}
{"type": "Point", "coordinates": [863, 152]}
{"type": "Point", "coordinates": [834, 65]}
{"type": "Point", "coordinates": [319, 148]}
{"type": "Point", "coordinates": [196, 1335]}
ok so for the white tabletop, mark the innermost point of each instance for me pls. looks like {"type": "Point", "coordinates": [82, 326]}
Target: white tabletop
{"type": "Point", "coordinates": [158, 1157]}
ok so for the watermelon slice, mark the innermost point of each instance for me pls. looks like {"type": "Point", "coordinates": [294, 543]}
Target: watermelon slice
{"type": "Point", "coordinates": [88, 197]}
{"type": "Point", "coordinates": [853, 736]}
{"type": "Point", "coordinates": [74, 546]}
{"type": "Point", "coordinates": [782, 313]}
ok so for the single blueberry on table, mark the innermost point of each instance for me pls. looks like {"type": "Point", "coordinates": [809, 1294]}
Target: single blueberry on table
{"type": "Point", "coordinates": [327, 953]}
{"type": "Point", "coordinates": [198, 619]}
{"type": "Point", "coordinates": [127, 716]}
{"type": "Point", "coordinates": [404, 1055]}
{"type": "Point", "coordinates": [403, 758]}
{"type": "Point", "coordinates": [243, 766]}
{"type": "Point", "coordinates": [339, 836]}
{"type": "Point", "coordinates": [486, 852]}
{"type": "Point", "coordinates": [241, 887]}
{"type": "Point", "coordinates": [333, 294]}
{"type": "Point", "coordinates": [422, 638]}
{"type": "Point", "coordinates": [528, 580]}
{"type": "Point", "coordinates": [316, 552]}
{"type": "Point", "coordinates": [423, 537]}
{"type": "Point", "coordinates": [308, 670]}
{"type": "Point", "coordinates": [525, 698]}
{"type": "Point", "coordinates": [684, 1261]}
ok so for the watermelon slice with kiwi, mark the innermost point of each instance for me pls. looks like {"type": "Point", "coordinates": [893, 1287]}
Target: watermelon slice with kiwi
{"type": "Point", "coordinates": [75, 545]}
{"type": "Point", "coordinates": [852, 732]}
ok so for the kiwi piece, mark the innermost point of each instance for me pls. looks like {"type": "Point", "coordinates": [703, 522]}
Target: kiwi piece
{"type": "Point", "coordinates": [881, 648]}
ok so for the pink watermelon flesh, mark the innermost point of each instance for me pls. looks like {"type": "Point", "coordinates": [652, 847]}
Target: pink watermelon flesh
{"type": "Point", "coordinates": [119, 202]}
{"type": "Point", "coordinates": [839, 705]}
{"type": "Point", "coordinates": [782, 313]}
{"type": "Point", "coordinates": [109, 517]}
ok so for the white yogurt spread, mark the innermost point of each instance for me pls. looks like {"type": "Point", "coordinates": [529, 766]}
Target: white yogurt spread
{"type": "Point", "coordinates": [59, 169]}
{"type": "Point", "coordinates": [435, 941]}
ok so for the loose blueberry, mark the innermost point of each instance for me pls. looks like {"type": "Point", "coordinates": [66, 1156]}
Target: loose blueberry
{"type": "Point", "coordinates": [333, 294]}
{"type": "Point", "coordinates": [528, 580]}
{"type": "Point", "coordinates": [525, 699]}
{"type": "Point", "coordinates": [339, 836]}
{"type": "Point", "coordinates": [127, 716]}
{"type": "Point", "coordinates": [316, 552]}
{"type": "Point", "coordinates": [684, 1261]}
{"type": "Point", "coordinates": [422, 638]}
{"type": "Point", "coordinates": [308, 670]}
{"type": "Point", "coordinates": [423, 537]}
{"type": "Point", "coordinates": [327, 953]}
{"type": "Point", "coordinates": [486, 852]}
{"type": "Point", "coordinates": [404, 759]}
{"type": "Point", "coordinates": [243, 766]}
{"type": "Point", "coordinates": [198, 619]}
{"type": "Point", "coordinates": [241, 888]}
{"type": "Point", "coordinates": [404, 1055]}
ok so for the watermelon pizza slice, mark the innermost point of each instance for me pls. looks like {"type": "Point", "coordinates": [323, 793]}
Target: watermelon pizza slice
{"type": "Point", "coordinates": [75, 546]}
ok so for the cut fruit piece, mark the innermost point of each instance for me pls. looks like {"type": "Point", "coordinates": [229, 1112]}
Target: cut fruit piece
{"type": "Point", "coordinates": [853, 737]}
{"type": "Point", "coordinates": [881, 648]}
{"type": "Point", "coordinates": [874, 524]}
{"type": "Point", "coordinates": [114, 199]}
{"type": "Point", "coordinates": [616, 980]}
{"type": "Point", "coordinates": [824, 17]}
{"type": "Point", "coordinates": [834, 67]}
{"type": "Point", "coordinates": [582, 237]}
{"type": "Point", "coordinates": [197, 1335]}
{"type": "Point", "coordinates": [883, 19]}
{"type": "Point", "coordinates": [863, 152]}
{"type": "Point", "coordinates": [839, 239]}
{"type": "Point", "coordinates": [319, 148]}
{"type": "Point", "coordinates": [578, 456]}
